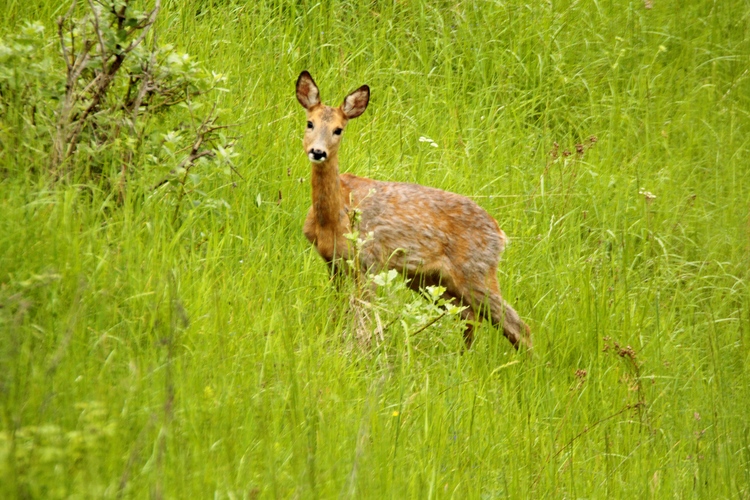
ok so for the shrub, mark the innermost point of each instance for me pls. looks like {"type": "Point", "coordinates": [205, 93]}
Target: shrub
{"type": "Point", "coordinates": [98, 112]}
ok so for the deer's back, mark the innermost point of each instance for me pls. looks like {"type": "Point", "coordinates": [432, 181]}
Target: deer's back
{"type": "Point", "coordinates": [416, 227]}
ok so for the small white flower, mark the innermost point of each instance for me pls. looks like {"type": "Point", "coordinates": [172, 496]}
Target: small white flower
{"type": "Point", "coordinates": [428, 140]}
{"type": "Point", "coordinates": [647, 194]}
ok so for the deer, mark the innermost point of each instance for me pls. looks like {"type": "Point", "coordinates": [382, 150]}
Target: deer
{"type": "Point", "coordinates": [432, 237]}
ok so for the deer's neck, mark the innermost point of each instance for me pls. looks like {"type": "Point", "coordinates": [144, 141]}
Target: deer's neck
{"type": "Point", "coordinates": [327, 195]}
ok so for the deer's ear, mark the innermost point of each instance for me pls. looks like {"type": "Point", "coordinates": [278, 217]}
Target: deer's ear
{"type": "Point", "coordinates": [356, 103]}
{"type": "Point", "coordinates": [307, 92]}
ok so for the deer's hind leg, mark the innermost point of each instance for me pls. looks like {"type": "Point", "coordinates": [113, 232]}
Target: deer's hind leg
{"type": "Point", "coordinates": [484, 301]}
{"type": "Point", "coordinates": [465, 294]}
{"type": "Point", "coordinates": [502, 314]}
{"type": "Point", "coordinates": [419, 280]}
{"type": "Point", "coordinates": [467, 315]}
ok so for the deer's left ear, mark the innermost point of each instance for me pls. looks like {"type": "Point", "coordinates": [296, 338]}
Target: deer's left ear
{"type": "Point", "coordinates": [356, 103]}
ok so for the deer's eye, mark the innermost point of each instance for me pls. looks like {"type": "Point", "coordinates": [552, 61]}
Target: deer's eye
{"type": "Point", "coordinates": [338, 131]}
{"type": "Point", "coordinates": [309, 125]}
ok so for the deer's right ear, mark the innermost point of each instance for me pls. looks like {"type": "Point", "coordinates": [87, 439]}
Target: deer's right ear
{"type": "Point", "coordinates": [307, 92]}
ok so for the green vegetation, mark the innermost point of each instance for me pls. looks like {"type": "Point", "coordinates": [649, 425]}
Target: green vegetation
{"type": "Point", "coordinates": [184, 341]}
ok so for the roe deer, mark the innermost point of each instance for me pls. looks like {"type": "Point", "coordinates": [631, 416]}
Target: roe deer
{"type": "Point", "coordinates": [429, 235]}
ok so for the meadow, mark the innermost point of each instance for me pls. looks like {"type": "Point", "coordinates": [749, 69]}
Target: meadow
{"type": "Point", "coordinates": [189, 343]}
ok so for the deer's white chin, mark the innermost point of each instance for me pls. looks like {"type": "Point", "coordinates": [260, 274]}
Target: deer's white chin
{"type": "Point", "coordinates": [313, 160]}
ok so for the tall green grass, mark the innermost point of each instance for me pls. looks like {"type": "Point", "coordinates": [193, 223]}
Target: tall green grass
{"type": "Point", "coordinates": [214, 358]}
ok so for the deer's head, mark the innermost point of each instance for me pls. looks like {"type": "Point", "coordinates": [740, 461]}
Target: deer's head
{"type": "Point", "coordinates": [325, 124]}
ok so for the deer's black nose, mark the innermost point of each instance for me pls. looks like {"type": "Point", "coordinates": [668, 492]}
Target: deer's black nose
{"type": "Point", "coordinates": [318, 154]}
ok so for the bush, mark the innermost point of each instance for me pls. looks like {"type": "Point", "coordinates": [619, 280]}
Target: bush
{"type": "Point", "coordinates": [100, 115]}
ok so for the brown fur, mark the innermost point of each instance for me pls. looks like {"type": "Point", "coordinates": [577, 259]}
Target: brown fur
{"type": "Point", "coordinates": [431, 236]}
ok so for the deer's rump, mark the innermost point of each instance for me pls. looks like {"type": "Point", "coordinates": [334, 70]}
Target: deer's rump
{"type": "Point", "coordinates": [421, 229]}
